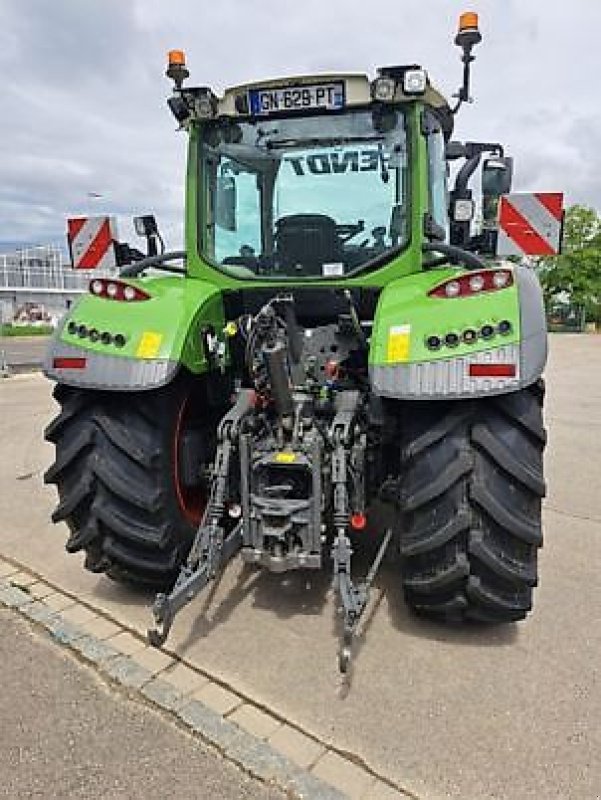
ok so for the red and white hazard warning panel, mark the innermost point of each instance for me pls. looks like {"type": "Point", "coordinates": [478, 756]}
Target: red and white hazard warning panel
{"type": "Point", "coordinates": [92, 242]}
{"type": "Point", "coordinates": [530, 224]}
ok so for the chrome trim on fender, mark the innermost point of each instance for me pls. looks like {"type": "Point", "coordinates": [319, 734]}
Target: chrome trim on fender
{"type": "Point", "coordinates": [116, 373]}
{"type": "Point", "coordinates": [447, 378]}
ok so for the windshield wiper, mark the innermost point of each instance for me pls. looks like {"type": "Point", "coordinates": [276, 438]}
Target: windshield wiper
{"type": "Point", "coordinates": [273, 144]}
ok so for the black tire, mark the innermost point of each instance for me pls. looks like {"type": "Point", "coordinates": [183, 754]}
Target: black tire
{"type": "Point", "coordinates": [471, 489]}
{"type": "Point", "coordinates": [119, 475]}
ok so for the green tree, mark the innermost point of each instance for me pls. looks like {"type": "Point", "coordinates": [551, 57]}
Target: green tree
{"type": "Point", "coordinates": [576, 273]}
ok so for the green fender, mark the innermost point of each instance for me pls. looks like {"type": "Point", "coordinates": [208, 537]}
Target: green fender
{"type": "Point", "coordinates": [403, 366]}
{"type": "Point", "coordinates": [159, 336]}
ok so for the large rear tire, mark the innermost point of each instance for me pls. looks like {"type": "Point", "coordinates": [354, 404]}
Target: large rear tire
{"type": "Point", "coordinates": [471, 489]}
{"type": "Point", "coordinates": [124, 490]}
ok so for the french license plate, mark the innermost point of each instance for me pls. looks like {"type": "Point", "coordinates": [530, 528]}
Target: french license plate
{"type": "Point", "coordinates": [321, 96]}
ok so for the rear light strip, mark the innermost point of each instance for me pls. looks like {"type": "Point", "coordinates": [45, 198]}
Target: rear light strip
{"type": "Point", "coordinates": [117, 290]}
{"type": "Point", "coordinates": [472, 283]}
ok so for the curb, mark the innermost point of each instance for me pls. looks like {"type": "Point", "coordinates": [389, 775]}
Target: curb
{"type": "Point", "coordinates": [263, 745]}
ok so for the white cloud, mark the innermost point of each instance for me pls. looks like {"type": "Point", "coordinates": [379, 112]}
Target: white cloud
{"type": "Point", "coordinates": [83, 91]}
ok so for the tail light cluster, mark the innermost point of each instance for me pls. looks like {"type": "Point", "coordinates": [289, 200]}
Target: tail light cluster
{"type": "Point", "coordinates": [117, 290]}
{"type": "Point", "coordinates": [474, 283]}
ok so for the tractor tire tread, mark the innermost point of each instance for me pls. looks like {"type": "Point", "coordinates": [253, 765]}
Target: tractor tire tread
{"type": "Point", "coordinates": [114, 477]}
{"type": "Point", "coordinates": [470, 501]}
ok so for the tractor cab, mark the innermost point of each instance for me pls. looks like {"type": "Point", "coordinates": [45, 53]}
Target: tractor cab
{"type": "Point", "coordinates": [309, 178]}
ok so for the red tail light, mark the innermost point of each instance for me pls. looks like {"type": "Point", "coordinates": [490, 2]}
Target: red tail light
{"type": "Point", "coordinates": [471, 283]}
{"type": "Point", "coordinates": [358, 521]}
{"type": "Point", "coordinates": [493, 370]}
{"type": "Point", "coordinates": [64, 362]}
{"type": "Point", "coordinates": [117, 290]}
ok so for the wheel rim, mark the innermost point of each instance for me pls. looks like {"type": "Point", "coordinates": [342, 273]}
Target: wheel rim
{"type": "Point", "coordinates": [191, 499]}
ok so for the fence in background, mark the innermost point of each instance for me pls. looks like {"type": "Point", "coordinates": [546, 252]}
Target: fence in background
{"type": "Point", "coordinates": [40, 275]}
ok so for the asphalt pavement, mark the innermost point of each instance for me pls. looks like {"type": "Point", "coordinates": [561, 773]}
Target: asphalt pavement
{"type": "Point", "coordinates": [66, 734]}
{"type": "Point", "coordinates": [507, 713]}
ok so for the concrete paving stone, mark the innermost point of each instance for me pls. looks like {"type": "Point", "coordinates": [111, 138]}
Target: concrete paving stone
{"type": "Point", "coordinates": [261, 760]}
{"type": "Point", "coordinates": [126, 643]}
{"type": "Point", "coordinates": [23, 579]}
{"type": "Point", "coordinates": [102, 628]}
{"type": "Point", "coordinates": [78, 614]}
{"type": "Point", "coordinates": [126, 672]}
{"type": "Point", "coordinates": [343, 775]}
{"type": "Point", "coordinates": [184, 679]}
{"type": "Point", "coordinates": [13, 597]}
{"type": "Point", "coordinates": [164, 695]}
{"type": "Point", "coordinates": [217, 698]}
{"type": "Point", "coordinates": [40, 590]}
{"type": "Point", "coordinates": [255, 721]}
{"type": "Point", "coordinates": [153, 660]}
{"type": "Point", "coordinates": [95, 650]}
{"type": "Point", "coordinates": [255, 756]}
{"type": "Point", "coordinates": [298, 747]}
{"type": "Point", "coordinates": [210, 724]}
{"type": "Point", "coordinates": [63, 631]}
{"type": "Point", "coordinates": [59, 601]}
{"type": "Point", "coordinates": [37, 611]}
{"type": "Point", "coordinates": [7, 569]}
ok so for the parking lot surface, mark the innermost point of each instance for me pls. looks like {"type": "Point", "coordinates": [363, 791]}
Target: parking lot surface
{"type": "Point", "coordinates": [65, 734]}
{"type": "Point", "coordinates": [510, 712]}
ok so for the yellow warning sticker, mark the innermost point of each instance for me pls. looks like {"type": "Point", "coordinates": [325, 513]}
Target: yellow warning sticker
{"type": "Point", "coordinates": [285, 458]}
{"type": "Point", "coordinates": [150, 344]}
{"type": "Point", "coordinates": [399, 339]}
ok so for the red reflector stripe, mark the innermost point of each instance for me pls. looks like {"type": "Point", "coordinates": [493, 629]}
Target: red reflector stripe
{"type": "Point", "coordinates": [492, 370]}
{"type": "Point", "coordinates": [74, 226]}
{"type": "Point", "coordinates": [68, 363]}
{"type": "Point", "coordinates": [97, 248]}
{"type": "Point", "coordinates": [517, 227]}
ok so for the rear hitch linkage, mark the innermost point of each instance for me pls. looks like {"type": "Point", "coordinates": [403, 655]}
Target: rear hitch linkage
{"type": "Point", "coordinates": [212, 548]}
{"type": "Point", "coordinates": [353, 597]}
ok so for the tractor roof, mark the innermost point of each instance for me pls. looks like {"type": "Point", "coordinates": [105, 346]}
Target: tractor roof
{"type": "Point", "coordinates": [357, 93]}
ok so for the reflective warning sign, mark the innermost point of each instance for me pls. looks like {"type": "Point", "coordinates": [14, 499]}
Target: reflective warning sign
{"type": "Point", "coordinates": [530, 224]}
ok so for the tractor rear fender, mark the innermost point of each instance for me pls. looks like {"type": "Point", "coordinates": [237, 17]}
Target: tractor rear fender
{"type": "Point", "coordinates": [490, 342]}
{"type": "Point", "coordinates": [103, 343]}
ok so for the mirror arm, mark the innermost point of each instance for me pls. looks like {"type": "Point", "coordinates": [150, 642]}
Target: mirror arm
{"type": "Point", "coordinates": [463, 177]}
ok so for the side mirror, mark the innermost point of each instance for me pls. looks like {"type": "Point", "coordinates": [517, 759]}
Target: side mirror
{"type": "Point", "coordinates": [225, 203]}
{"type": "Point", "coordinates": [497, 175]}
{"type": "Point", "coordinates": [147, 227]}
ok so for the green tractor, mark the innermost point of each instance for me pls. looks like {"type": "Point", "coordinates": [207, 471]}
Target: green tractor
{"type": "Point", "coordinates": [331, 341]}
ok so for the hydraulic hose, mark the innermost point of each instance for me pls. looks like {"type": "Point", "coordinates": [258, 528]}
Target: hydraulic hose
{"type": "Point", "coordinates": [153, 261]}
{"type": "Point", "coordinates": [470, 260]}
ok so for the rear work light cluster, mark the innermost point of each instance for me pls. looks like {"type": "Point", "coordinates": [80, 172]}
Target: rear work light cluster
{"type": "Point", "coordinates": [117, 290]}
{"type": "Point", "coordinates": [83, 331]}
{"type": "Point", "coordinates": [474, 283]}
{"type": "Point", "coordinates": [469, 335]}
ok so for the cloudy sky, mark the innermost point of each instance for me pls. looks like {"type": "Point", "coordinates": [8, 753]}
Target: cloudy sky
{"type": "Point", "coordinates": [82, 91]}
